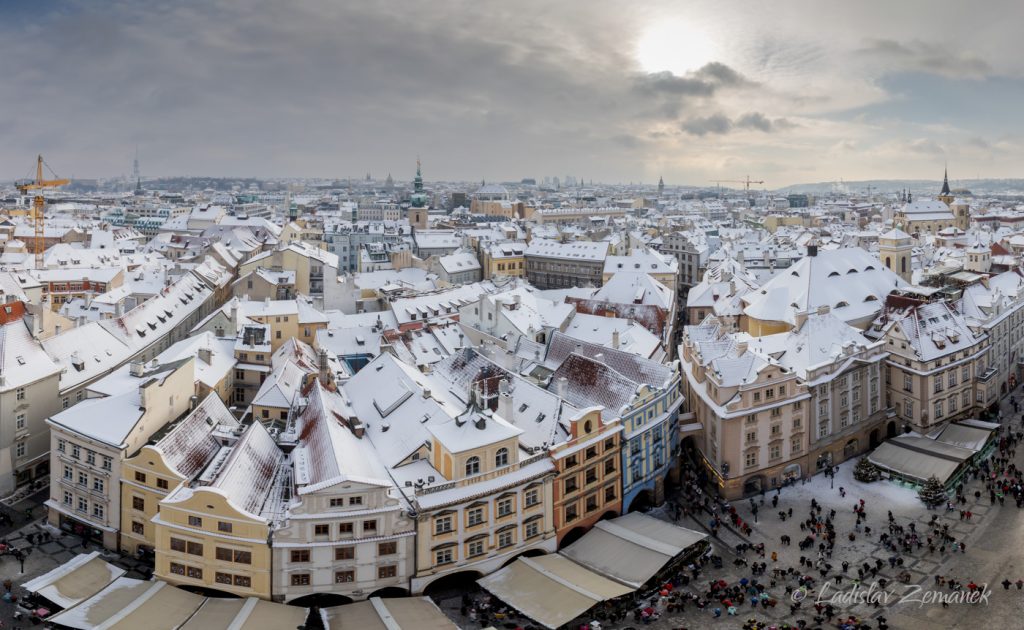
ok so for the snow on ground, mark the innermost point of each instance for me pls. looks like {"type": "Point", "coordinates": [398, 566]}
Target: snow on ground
{"type": "Point", "coordinates": [882, 494]}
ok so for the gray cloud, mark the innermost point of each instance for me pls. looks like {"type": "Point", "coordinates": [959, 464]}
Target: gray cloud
{"type": "Point", "coordinates": [934, 58]}
{"type": "Point", "coordinates": [702, 82]}
{"type": "Point", "coordinates": [715, 124]}
{"type": "Point", "coordinates": [925, 146]}
{"type": "Point", "coordinates": [720, 124]}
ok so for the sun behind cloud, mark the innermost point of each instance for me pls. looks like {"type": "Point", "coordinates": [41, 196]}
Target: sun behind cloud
{"type": "Point", "coordinates": [677, 46]}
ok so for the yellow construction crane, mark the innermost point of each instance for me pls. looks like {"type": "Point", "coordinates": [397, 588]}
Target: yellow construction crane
{"type": "Point", "coordinates": [38, 203]}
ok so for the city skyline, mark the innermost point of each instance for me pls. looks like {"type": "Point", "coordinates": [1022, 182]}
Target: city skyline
{"type": "Point", "coordinates": [793, 93]}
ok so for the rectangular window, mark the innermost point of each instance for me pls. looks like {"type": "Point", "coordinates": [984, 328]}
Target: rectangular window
{"type": "Point", "coordinates": [475, 548]}
{"type": "Point", "coordinates": [369, 526]}
{"type": "Point", "coordinates": [19, 422]}
{"type": "Point", "coordinates": [570, 485]}
{"type": "Point", "coordinates": [194, 572]}
{"type": "Point", "coordinates": [177, 569]}
{"type": "Point", "coordinates": [751, 459]}
{"type": "Point", "coordinates": [571, 514]}
{"type": "Point", "coordinates": [345, 528]}
{"type": "Point", "coordinates": [62, 445]}
{"type": "Point", "coordinates": [343, 577]}
{"type": "Point", "coordinates": [97, 510]}
{"type": "Point", "coordinates": [355, 500]}
{"type": "Point", "coordinates": [222, 578]}
{"type": "Point", "coordinates": [344, 553]}
{"type": "Point", "coordinates": [300, 555]}
{"type": "Point", "coordinates": [69, 472]}
{"type": "Point", "coordinates": [223, 526]}
{"type": "Point", "coordinates": [337, 502]}
{"type": "Point", "coordinates": [443, 525]}
{"type": "Point", "coordinates": [138, 503]}
{"type": "Point", "coordinates": [138, 528]}
{"type": "Point", "coordinates": [938, 409]}
{"type": "Point", "coordinates": [300, 579]}
{"type": "Point", "coordinates": [83, 479]}
{"type": "Point", "coordinates": [532, 529]}
{"type": "Point", "coordinates": [194, 548]}
{"type": "Point", "coordinates": [591, 452]}
{"type": "Point", "coordinates": [107, 463]}
{"type": "Point", "coordinates": [908, 383]}
{"type": "Point", "coordinates": [532, 497]}
{"type": "Point", "coordinates": [591, 475]}
{"type": "Point", "coordinates": [243, 581]}
{"type": "Point", "coordinates": [195, 521]}
{"type": "Point", "coordinates": [177, 544]}
{"type": "Point", "coordinates": [97, 484]}
{"type": "Point", "coordinates": [76, 451]}
{"type": "Point", "coordinates": [243, 557]}
{"type": "Point", "coordinates": [504, 507]}
{"type": "Point", "coordinates": [161, 483]}
{"type": "Point", "coordinates": [443, 556]}
{"type": "Point", "coordinates": [505, 539]}
{"type": "Point", "coordinates": [223, 553]}
{"type": "Point", "coordinates": [388, 571]}
{"type": "Point", "coordinates": [474, 516]}
{"type": "Point", "coordinates": [140, 477]}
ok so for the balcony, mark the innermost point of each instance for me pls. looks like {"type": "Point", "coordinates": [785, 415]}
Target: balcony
{"type": "Point", "coordinates": [987, 375]}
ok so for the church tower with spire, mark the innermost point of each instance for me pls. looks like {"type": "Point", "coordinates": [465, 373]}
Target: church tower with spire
{"type": "Point", "coordinates": [661, 186]}
{"type": "Point", "coordinates": [944, 195]}
{"type": "Point", "coordinates": [418, 202]}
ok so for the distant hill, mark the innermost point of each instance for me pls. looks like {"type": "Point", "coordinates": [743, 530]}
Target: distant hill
{"type": "Point", "coordinates": [978, 187]}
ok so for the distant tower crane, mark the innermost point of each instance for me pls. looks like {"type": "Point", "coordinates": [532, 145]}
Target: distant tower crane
{"type": "Point", "coordinates": [746, 184]}
{"type": "Point", "coordinates": [38, 203]}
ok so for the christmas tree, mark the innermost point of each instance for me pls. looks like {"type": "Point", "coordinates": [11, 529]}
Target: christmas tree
{"type": "Point", "coordinates": [932, 492]}
{"type": "Point", "coordinates": [866, 471]}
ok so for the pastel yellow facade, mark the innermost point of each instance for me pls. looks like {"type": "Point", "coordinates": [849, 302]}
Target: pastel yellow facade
{"type": "Point", "coordinates": [145, 481]}
{"type": "Point", "coordinates": [203, 541]}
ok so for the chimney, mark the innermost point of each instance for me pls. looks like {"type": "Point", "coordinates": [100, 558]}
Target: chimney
{"type": "Point", "coordinates": [801, 318]}
{"type": "Point", "coordinates": [812, 250]}
{"type": "Point", "coordinates": [504, 400]}
{"type": "Point", "coordinates": [741, 347]}
{"type": "Point", "coordinates": [136, 368]}
{"type": "Point", "coordinates": [561, 386]}
{"type": "Point", "coordinates": [234, 313]}
{"type": "Point", "coordinates": [824, 309]}
{"type": "Point", "coordinates": [615, 339]}
{"type": "Point", "coordinates": [206, 355]}
{"type": "Point", "coordinates": [325, 370]}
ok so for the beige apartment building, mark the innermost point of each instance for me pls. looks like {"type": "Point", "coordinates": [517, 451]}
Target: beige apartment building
{"type": "Point", "coordinates": [938, 368]}
{"type": "Point", "coordinates": [782, 406]}
{"type": "Point", "coordinates": [91, 441]}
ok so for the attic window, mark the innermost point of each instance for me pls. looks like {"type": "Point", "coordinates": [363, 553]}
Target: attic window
{"type": "Point", "coordinates": [869, 268]}
{"type": "Point", "coordinates": [21, 360]}
{"type": "Point", "coordinates": [541, 416]}
{"type": "Point", "coordinates": [841, 304]}
{"type": "Point", "coordinates": [141, 331]}
{"type": "Point", "coordinates": [78, 364]}
{"type": "Point", "coordinates": [523, 407]}
{"type": "Point", "coordinates": [833, 274]}
{"type": "Point", "coordinates": [152, 325]}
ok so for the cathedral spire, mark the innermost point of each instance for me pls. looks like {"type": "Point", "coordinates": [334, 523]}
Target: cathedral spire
{"type": "Point", "coordinates": [945, 182]}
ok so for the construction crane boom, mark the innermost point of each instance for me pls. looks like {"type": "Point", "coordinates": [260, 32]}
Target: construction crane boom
{"type": "Point", "coordinates": [746, 182]}
{"type": "Point", "coordinates": [38, 204]}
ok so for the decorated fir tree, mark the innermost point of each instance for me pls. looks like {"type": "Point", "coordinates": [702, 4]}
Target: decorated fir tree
{"type": "Point", "coordinates": [866, 471]}
{"type": "Point", "coordinates": [933, 492]}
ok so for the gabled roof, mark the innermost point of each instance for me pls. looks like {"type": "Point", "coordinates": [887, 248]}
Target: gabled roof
{"type": "Point", "coordinates": [329, 453]}
{"type": "Point", "coordinates": [636, 368]}
{"type": "Point", "coordinates": [190, 446]}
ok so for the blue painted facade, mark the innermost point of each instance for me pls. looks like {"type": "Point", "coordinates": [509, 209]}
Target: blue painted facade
{"type": "Point", "coordinates": [650, 439]}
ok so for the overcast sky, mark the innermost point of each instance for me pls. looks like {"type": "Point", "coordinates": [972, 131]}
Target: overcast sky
{"type": "Point", "coordinates": [787, 91]}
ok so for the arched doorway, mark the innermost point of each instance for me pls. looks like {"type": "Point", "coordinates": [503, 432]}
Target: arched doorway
{"type": "Point", "coordinates": [890, 429]}
{"type": "Point", "coordinates": [390, 591]}
{"type": "Point", "coordinates": [850, 449]}
{"type": "Point", "coordinates": [453, 584]}
{"type": "Point", "coordinates": [753, 485]}
{"type": "Point", "coordinates": [321, 600]}
{"type": "Point", "coordinates": [641, 502]}
{"type": "Point", "coordinates": [873, 440]}
{"type": "Point", "coordinates": [574, 534]}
